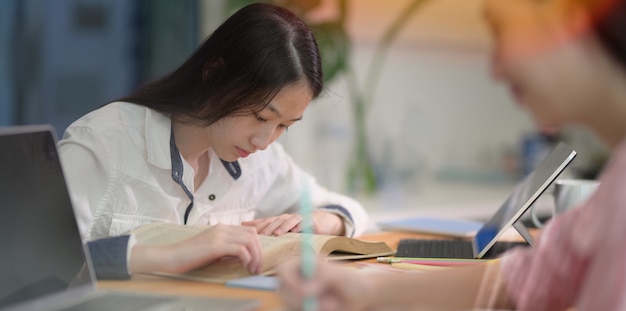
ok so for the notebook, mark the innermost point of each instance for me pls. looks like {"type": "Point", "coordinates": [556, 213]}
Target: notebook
{"type": "Point", "coordinates": [484, 243]}
{"type": "Point", "coordinates": [43, 263]}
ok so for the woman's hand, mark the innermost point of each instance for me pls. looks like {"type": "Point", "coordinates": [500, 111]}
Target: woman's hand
{"type": "Point", "coordinates": [334, 287]}
{"type": "Point", "coordinates": [323, 223]}
{"type": "Point", "coordinates": [212, 244]}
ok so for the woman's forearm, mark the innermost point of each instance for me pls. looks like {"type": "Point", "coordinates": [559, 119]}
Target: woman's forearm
{"type": "Point", "coordinates": [477, 286]}
{"type": "Point", "coordinates": [145, 259]}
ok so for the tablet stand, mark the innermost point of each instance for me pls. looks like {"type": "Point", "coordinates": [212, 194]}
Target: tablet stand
{"type": "Point", "coordinates": [523, 231]}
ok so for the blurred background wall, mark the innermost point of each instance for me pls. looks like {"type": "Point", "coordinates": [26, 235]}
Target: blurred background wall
{"type": "Point", "coordinates": [61, 59]}
{"type": "Point", "coordinates": [433, 112]}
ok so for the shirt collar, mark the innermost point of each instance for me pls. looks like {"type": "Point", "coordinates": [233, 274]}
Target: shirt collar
{"type": "Point", "coordinates": [158, 131]}
{"type": "Point", "coordinates": [158, 128]}
{"type": "Point", "coordinates": [233, 168]}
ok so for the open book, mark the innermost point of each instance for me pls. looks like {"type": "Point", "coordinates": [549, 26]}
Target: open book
{"type": "Point", "coordinates": [275, 250]}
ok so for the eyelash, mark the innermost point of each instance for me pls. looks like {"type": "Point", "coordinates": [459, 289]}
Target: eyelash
{"type": "Point", "coordinates": [263, 120]}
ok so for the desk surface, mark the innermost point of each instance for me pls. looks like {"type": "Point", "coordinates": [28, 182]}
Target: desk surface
{"type": "Point", "coordinates": [269, 300]}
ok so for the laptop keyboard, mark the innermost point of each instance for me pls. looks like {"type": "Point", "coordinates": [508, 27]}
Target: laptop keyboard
{"type": "Point", "coordinates": [423, 248]}
{"type": "Point", "coordinates": [119, 301]}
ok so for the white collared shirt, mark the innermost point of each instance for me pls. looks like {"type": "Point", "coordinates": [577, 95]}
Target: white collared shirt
{"type": "Point", "coordinates": [122, 173]}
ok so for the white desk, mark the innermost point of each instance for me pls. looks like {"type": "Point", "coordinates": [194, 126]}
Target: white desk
{"type": "Point", "coordinates": [451, 200]}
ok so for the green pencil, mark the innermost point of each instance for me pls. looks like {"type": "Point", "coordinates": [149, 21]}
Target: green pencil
{"type": "Point", "coordinates": [308, 254]}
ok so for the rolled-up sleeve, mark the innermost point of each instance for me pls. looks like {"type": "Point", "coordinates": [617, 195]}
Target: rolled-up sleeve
{"type": "Point", "coordinates": [111, 256]}
{"type": "Point", "coordinates": [352, 212]}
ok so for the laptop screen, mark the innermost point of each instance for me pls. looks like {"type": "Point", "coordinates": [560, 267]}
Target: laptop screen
{"type": "Point", "coordinates": [523, 196]}
{"type": "Point", "coordinates": [42, 252]}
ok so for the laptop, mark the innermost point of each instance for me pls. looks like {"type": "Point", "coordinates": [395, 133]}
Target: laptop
{"type": "Point", "coordinates": [484, 244]}
{"type": "Point", "coordinates": [43, 262]}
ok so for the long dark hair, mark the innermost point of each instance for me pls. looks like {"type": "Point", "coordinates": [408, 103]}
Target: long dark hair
{"type": "Point", "coordinates": [610, 28]}
{"type": "Point", "coordinates": [239, 68]}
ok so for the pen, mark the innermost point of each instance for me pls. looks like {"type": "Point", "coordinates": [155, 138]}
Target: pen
{"type": "Point", "coordinates": [428, 260]}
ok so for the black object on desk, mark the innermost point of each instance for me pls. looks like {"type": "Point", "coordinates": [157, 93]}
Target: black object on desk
{"type": "Point", "coordinates": [459, 249]}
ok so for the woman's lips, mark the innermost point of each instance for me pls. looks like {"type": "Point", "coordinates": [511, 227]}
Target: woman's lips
{"type": "Point", "coordinates": [242, 153]}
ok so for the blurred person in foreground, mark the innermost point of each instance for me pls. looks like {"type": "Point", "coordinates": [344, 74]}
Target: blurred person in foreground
{"type": "Point", "coordinates": [565, 62]}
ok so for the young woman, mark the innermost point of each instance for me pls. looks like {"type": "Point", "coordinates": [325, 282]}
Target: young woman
{"type": "Point", "coordinates": [197, 147]}
{"type": "Point", "coordinates": [565, 61]}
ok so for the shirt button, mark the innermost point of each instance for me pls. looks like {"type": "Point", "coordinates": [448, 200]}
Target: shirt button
{"type": "Point", "coordinates": [212, 197]}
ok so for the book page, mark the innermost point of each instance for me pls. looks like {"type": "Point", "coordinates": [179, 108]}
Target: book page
{"type": "Point", "coordinates": [161, 233]}
{"type": "Point", "coordinates": [275, 249]}
{"type": "Point", "coordinates": [269, 242]}
{"type": "Point", "coordinates": [341, 248]}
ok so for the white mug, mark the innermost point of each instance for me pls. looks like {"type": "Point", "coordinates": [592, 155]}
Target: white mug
{"type": "Point", "coordinates": [568, 193]}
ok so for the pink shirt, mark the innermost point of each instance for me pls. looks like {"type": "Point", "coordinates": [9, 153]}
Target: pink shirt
{"type": "Point", "coordinates": [580, 258]}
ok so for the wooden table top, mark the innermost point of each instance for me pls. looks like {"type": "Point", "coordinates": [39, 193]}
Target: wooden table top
{"type": "Point", "coordinates": [270, 301]}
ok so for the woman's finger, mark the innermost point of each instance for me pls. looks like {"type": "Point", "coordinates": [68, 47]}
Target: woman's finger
{"type": "Point", "coordinates": [289, 225]}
